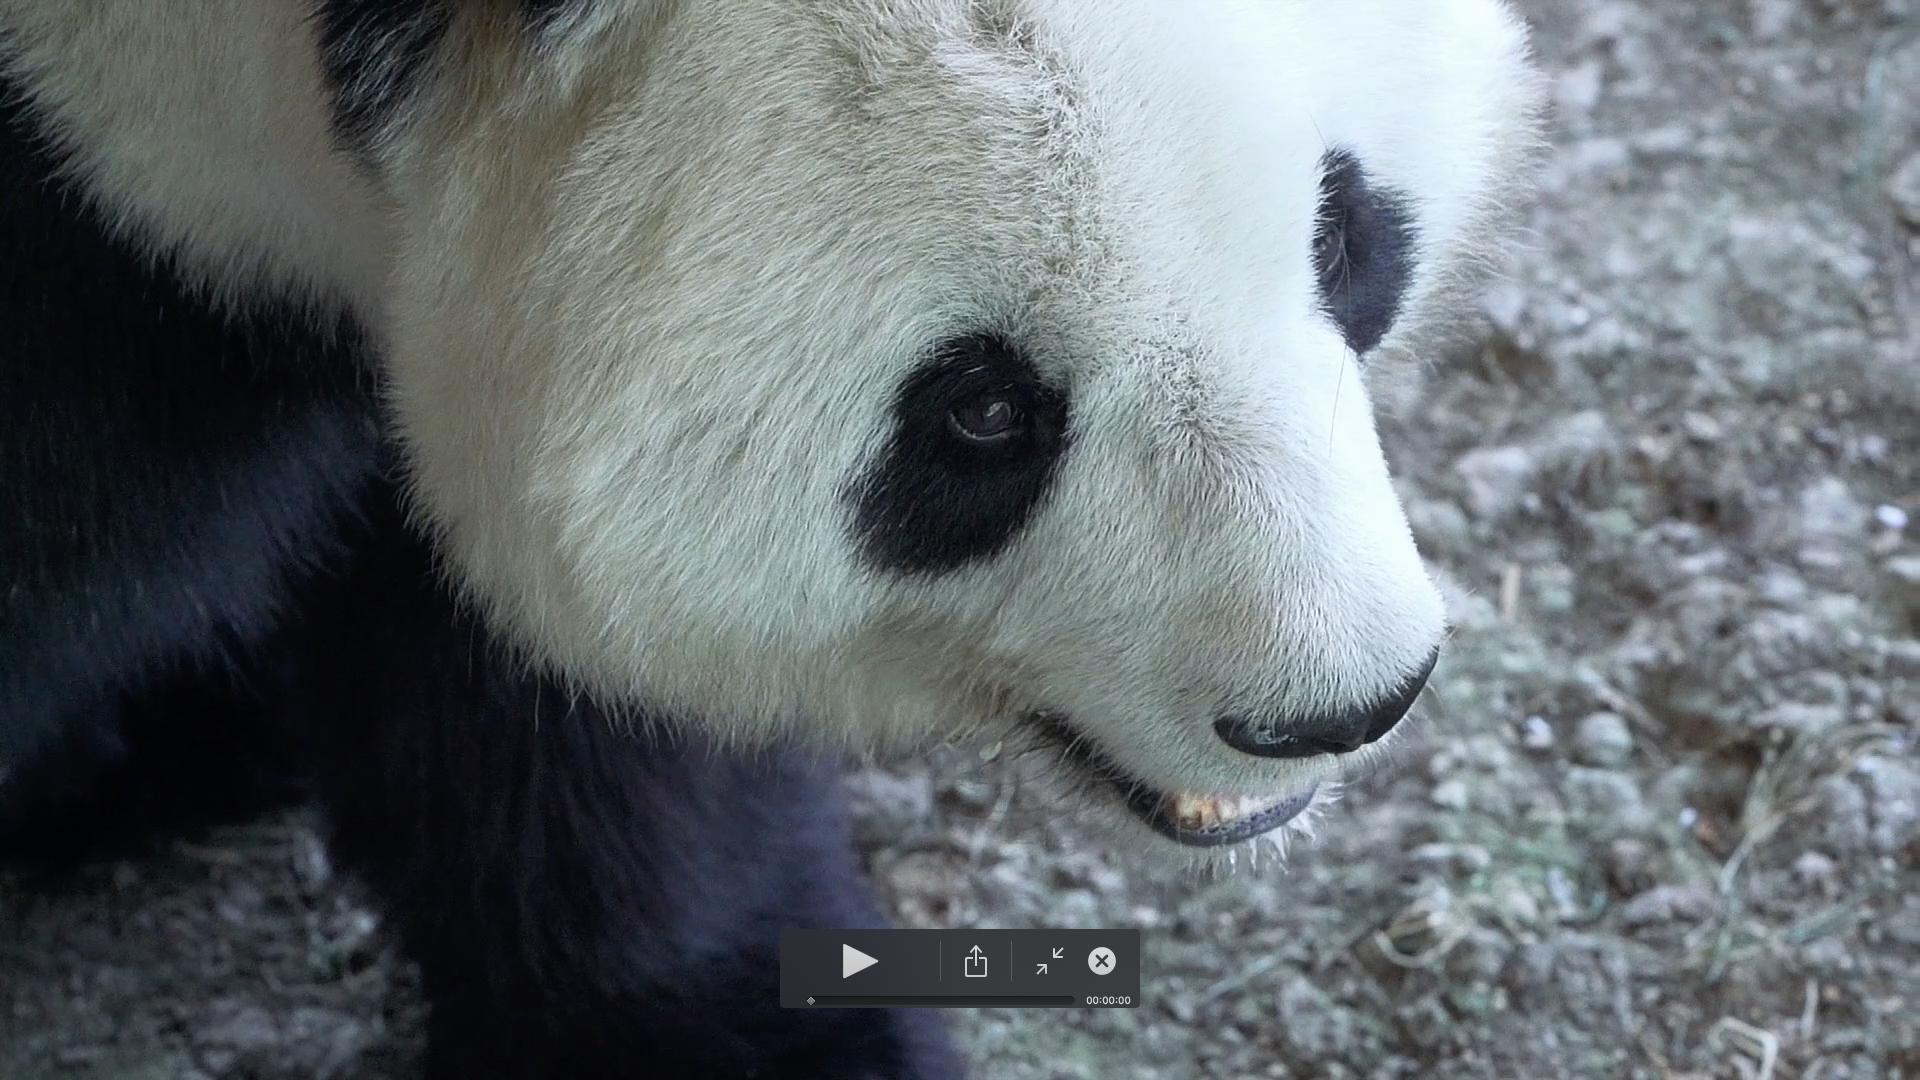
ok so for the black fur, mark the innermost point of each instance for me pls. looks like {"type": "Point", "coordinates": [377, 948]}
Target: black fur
{"type": "Point", "coordinates": [584, 901]}
{"type": "Point", "coordinates": [934, 502]}
{"type": "Point", "coordinates": [1363, 250]}
{"type": "Point", "coordinates": [376, 53]}
{"type": "Point", "coordinates": [208, 599]}
{"type": "Point", "coordinates": [164, 488]}
{"type": "Point", "coordinates": [540, 14]}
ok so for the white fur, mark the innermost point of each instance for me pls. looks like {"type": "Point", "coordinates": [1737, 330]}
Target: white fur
{"type": "Point", "coordinates": [651, 282]}
{"type": "Point", "coordinates": [201, 129]}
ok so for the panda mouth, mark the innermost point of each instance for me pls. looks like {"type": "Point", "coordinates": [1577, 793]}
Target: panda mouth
{"type": "Point", "coordinates": [1187, 818]}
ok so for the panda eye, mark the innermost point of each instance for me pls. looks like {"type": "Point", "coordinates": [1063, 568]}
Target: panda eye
{"type": "Point", "coordinates": [1330, 253]}
{"type": "Point", "coordinates": [990, 418]}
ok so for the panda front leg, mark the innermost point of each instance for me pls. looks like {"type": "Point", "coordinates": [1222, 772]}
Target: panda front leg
{"type": "Point", "coordinates": [583, 901]}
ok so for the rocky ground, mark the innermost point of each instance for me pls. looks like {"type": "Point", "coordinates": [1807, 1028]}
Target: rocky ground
{"type": "Point", "coordinates": [1662, 818]}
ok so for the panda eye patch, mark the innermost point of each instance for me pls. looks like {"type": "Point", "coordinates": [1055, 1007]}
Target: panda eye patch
{"type": "Point", "coordinates": [976, 435]}
{"type": "Point", "coordinates": [1363, 250]}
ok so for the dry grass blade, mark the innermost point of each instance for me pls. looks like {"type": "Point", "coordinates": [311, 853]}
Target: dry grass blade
{"type": "Point", "coordinates": [1756, 1042]}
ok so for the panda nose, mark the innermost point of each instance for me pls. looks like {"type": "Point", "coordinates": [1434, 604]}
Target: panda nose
{"type": "Point", "coordinates": [1332, 733]}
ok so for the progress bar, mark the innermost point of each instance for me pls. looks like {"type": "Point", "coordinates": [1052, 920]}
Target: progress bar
{"type": "Point", "coordinates": [950, 1001]}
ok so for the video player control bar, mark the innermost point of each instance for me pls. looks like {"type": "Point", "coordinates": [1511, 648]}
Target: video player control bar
{"type": "Point", "coordinates": [948, 969]}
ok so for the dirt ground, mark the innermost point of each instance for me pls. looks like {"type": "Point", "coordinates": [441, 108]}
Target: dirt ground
{"type": "Point", "coordinates": [1662, 816]}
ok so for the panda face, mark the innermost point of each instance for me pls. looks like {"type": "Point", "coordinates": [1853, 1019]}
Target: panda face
{"type": "Point", "coordinates": [882, 369]}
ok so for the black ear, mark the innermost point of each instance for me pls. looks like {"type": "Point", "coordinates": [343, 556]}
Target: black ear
{"type": "Point", "coordinates": [374, 53]}
{"type": "Point", "coordinates": [540, 14]}
{"type": "Point", "coordinates": [1363, 250]}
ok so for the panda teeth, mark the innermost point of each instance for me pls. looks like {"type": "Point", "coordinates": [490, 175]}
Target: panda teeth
{"type": "Point", "coordinates": [1197, 812]}
{"type": "Point", "coordinates": [1186, 818]}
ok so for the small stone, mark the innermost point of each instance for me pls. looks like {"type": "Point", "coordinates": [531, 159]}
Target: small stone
{"type": "Point", "coordinates": [1779, 586]}
{"type": "Point", "coordinates": [1607, 800]}
{"type": "Point", "coordinates": [1496, 478]}
{"type": "Point", "coordinates": [1566, 898]}
{"type": "Point", "coordinates": [1505, 302]}
{"type": "Point", "coordinates": [1815, 869]}
{"type": "Point", "coordinates": [1903, 659]}
{"type": "Point", "coordinates": [1451, 794]}
{"type": "Point", "coordinates": [1667, 139]}
{"type": "Point", "coordinates": [311, 862]}
{"type": "Point", "coordinates": [1827, 508]}
{"type": "Point", "coordinates": [1802, 717]}
{"type": "Point", "coordinates": [1895, 789]}
{"type": "Point", "coordinates": [1814, 557]}
{"type": "Point", "coordinates": [1463, 859]}
{"type": "Point", "coordinates": [1439, 525]}
{"type": "Point", "coordinates": [1842, 612]}
{"type": "Point", "coordinates": [1552, 586]}
{"type": "Point", "coordinates": [888, 807]}
{"type": "Point", "coordinates": [1700, 427]}
{"type": "Point", "coordinates": [1772, 18]}
{"type": "Point", "coordinates": [1601, 155]}
{"type": "Point", "coordinates": [1536, 734]}
{"type": "Point", "coordinates": [1603, 740]}
{"type": "Point", "coordinates": [352, 939]}
{"type": "Point", "coordinates": [1317, 1028]}
{"type": "Point", "coordinates": [1903, 187]}
{"type": "Point", "coordinates": [1613, 523]}
{"type": "Point", "coordinates": [1514, 901]}
{"type": "Point", "coordinates": [79, 1057]}
{"type": "Point", "coordinates": [1085, 869]}
{"type": "Point", "coordinates": [1574, 440]}
{"type": "Point", "coordinates": [1629, 866]}
{"type": "Point", "coordinates": [1890, 517]}
{"type": "Point", "coordinates": [325, 1043]}
{"type": "Point", "coordinates": [241, 902]}
{"type": "Point", "coordinates": [235, 1031]}
{"type": "Point", "coordinates": [930, 891]}
{"type": "Point", "coordinates": [1578, 90]}
{"type": "Point", "coordinates": [1668, 903]}
{"type": "Point", "coordinates": [1073, 907]}
{"type": "Point", "coordinates": [968, 795]}
{"type": "Point", "coordinates": [1905, 572]}
{"type": "Point", "coordinates": [1846, 817]}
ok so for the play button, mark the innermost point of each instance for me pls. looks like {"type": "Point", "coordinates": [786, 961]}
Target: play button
{"type": "Point", "coordinates": [852, 960]}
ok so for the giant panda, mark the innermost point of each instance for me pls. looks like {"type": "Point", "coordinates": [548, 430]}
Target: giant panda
{"type": "Point", "coordinates": [547, 432]}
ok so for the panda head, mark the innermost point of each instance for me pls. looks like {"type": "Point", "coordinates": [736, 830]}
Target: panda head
{"type": "Point", "coordinates": [885, 368]}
